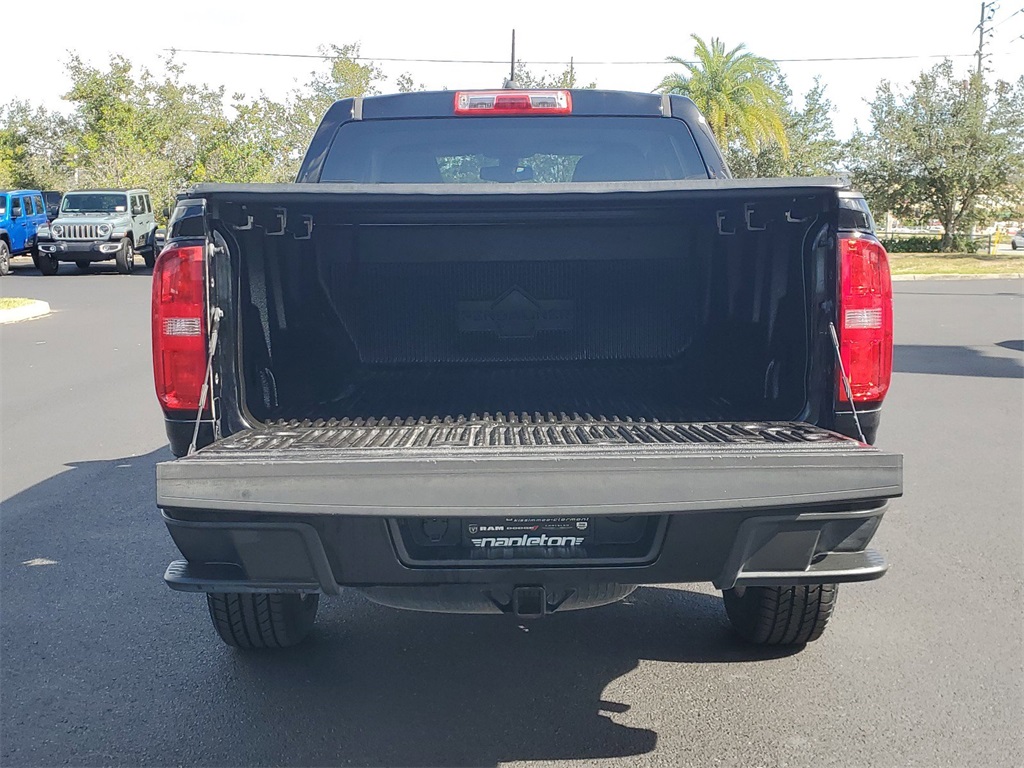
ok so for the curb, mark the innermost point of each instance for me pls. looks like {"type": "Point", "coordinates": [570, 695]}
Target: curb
{"type": "Point", "coordinates": [26, 312]}
{"type": "Point", "coordinates": [942, 276]}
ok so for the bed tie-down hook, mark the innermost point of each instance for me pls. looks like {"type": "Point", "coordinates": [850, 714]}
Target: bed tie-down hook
{"type": "Point", "coordinates": [801, 216]}
{"type": "Point", "coordinates": [248, 221]}
{"type": "Point", "coordinates": [720, 220]}
{"type": "Point", "coordinates": [748, 210]}
{"type": "Point", "coordinates": [307, 227]}
{"type": "Point", "coordinates": [282, 216]}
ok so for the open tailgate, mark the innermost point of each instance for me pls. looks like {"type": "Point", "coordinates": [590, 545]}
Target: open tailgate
{"type": "Point", "coordinates": [521, 464]}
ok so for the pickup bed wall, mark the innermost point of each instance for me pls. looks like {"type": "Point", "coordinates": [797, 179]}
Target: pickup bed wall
{"type": "Point", "coordinates": [687, 310]}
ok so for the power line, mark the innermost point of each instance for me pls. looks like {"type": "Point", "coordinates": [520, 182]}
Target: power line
{"type": "Point", "coordinates": [1019, 10]}
{"type": "Point", "coordinates": [577, 63]}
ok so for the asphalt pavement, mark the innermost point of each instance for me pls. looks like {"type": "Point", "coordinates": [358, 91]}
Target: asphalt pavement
{"type": "Point", "coordinates": [101, 664]}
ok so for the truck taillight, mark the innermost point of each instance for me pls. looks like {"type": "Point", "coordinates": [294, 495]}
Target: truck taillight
{"type": "Point", "coordinates": [179, 327]}
{"type": "Point", "coordinates": [865, 319]}
{"type": "Point", "coordinates": [513, 103]}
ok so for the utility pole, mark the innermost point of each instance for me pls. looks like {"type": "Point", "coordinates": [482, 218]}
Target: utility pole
{"type": "Point", "coordinates": [988, 10]}
{"type": "Point", "coordinates": [512, 69]}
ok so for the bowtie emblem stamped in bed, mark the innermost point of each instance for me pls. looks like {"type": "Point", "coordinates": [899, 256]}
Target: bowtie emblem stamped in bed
{"type": "Point", "coordinates": [516, 315]}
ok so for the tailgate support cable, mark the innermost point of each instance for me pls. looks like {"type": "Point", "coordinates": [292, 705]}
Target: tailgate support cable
{"type": "Point", "coordinates": [846, 380]}
{"type": "Point", "coordinates": [217, 314]}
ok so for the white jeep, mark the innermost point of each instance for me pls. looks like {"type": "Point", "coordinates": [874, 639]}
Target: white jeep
{"type": "Point", "coordinates": [99, 225]}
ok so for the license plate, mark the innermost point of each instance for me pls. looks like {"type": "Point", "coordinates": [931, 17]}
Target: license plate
{"type": "Point", "coordinates": [526, 532]}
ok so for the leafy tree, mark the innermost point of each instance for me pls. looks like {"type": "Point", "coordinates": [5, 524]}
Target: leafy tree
{"type": "Point", "coordinates": [567, 78]}
{"type": "Point", "coordinates": [943, 149]}
{"type": "Point", "coordinates": [259, 145]}
{"type": "Point", "coordinates": [405, 84]}
{"type": "Point", "coordinates": [129, 127]}
{"type": "Point", "coordinates": [736, 91]}
{"type": "Point", "coordinates": [348, 77]}
{"type": "Point", "coordinates": [814, 149]}
{"type": "Point", "coordinates": [14, 145]}
{"type": "Point", "coordinates": [32, 147]}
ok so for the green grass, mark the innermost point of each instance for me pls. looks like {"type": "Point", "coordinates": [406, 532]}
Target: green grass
{"type": "Point", "coordinates": [13, 303]}
{"type": "Point", "coordinates": [955, 264]}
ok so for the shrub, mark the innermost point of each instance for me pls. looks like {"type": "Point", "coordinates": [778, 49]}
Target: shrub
{"type": "Point", "coordinates": [932, 244]}
{"type": "Point", "coordinates": [912, 244]}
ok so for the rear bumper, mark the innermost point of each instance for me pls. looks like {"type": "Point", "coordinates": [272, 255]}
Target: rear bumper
{"type": "Point", "coordinates": [318, 508]}
{"type": "Point", "coordinates": [325, 553]}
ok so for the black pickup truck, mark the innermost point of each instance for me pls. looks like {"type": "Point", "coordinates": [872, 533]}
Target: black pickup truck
{"type": "Point", "coordinates": [520, 352]}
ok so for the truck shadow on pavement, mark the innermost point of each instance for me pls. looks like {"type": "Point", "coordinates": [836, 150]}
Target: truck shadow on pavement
{"type": "Point", "coordinates": [116, 668]}
{"type": "Point", "coordinates": [955, 361]}
{"type": "Point", "coordinates": [380, 687]}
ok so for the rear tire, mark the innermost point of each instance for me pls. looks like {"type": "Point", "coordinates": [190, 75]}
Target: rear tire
{"type": "Point", "coordinates": [5, 258]}
{"type": "Point", "coordinates": [46, 264]}
{"type": "Point", "coordinates": [125, 257]}
{"type": "Point", "coordinates": [260, 620]}
{"type": "Point", "coordinates": [780, 615]}
{"type": "Point", "coordinates": [149, 255]}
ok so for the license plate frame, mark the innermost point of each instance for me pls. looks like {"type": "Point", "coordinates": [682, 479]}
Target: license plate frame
{"type": "Point", "coordinates": [518, 532]}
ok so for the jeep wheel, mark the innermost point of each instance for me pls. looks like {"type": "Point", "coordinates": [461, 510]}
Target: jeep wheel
{"type": "Point", "coordinates": [46, 264]}
{"type": "Point", "coordinates": [780, 615]}
{"type": "Point", "coordinates": [83, 264]}
{"type": "Point", "coordinates": [258, 620]}
{"type": "Point", "coordinates": [125, 257]}
{"type": "Point", "coordinates": [149, 255]}
{"type": "Point", "coordinates": [5, 258]}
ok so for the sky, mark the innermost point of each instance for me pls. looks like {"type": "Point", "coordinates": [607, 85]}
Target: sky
{"type": "Point", "coordinates": [589, 32]}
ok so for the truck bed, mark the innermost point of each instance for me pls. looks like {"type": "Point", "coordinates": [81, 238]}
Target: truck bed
{"type": "Point", "coordinates": [653, 302]}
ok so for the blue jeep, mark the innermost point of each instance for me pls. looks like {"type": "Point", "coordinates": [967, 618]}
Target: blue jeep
{"type": "Point", "coordinates": [22, 211]}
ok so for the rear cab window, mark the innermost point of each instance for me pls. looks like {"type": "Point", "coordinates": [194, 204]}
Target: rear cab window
{"type": "Point", "coordinates": [533, 150]}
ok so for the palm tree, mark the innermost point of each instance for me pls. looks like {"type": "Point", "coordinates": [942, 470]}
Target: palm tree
{"type": "Point", "coordinates": [735, 91]}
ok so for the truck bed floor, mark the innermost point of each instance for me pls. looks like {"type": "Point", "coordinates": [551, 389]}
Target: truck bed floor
{"type": "Point", "coordinates": [603, 391]}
